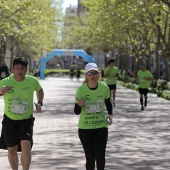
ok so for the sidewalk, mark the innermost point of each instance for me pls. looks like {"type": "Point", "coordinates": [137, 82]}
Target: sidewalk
{"type": "Point", "coordinates": [137, 140]}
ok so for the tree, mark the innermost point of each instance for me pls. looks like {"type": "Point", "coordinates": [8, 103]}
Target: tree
{"type": "Point", "coordinates": [29, 26]}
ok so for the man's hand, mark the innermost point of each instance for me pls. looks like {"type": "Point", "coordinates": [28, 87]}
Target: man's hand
{"type": "Point", "coordinates": [38, 107]}
{"type": "Point", "coordinates": [117, 75]}
{"type": "Point", "coordinates": [108, 73]}
{"type": "Point", "coordinates": [4, 90]}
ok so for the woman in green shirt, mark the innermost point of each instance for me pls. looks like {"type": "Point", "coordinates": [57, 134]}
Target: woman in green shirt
{"type": "Point", "coordinates": [91, 99]}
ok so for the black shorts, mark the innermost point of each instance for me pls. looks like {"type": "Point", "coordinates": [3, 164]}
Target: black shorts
{"type": "Point", "coordinates": [112, 87]}
{"type": "Point", "coordinates": [13, 131]}
{"type": "Point", "coordinates": [143, 91]}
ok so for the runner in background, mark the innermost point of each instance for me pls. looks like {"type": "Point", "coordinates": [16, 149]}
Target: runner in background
{"type": "Point", "coordinates": [111, 74]}
{"type": "Point", "coordinates": [4, 72]}
{"type": "Point", "coordinates": [143, 81]}
{"type": "Point", "coordinates": [72, 70]}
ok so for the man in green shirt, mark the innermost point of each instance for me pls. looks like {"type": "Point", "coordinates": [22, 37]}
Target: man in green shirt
{"type": "Point", "coordinates": [18, 121]}
{"type": "Point", "coordinates": [144, 78]}
{"type": "Point", "coordinates": [111, 73]}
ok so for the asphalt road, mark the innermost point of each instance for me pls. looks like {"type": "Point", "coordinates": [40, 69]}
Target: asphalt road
{"type": "Point", "coordinates": [138, 140]}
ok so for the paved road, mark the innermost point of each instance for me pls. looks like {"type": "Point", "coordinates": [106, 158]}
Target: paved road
{"type": "Point", "coordinates": [137, 140]}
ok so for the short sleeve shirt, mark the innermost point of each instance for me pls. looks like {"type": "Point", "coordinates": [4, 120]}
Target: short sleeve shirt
{"type": "Point", "coordinates": [112, 77]}
{"type": "Point", "coordinates": [142, 75]}
{"type": "Point", "coordinates": [19, 100]}
{"type": "Point", "coordinates": [92, 114]}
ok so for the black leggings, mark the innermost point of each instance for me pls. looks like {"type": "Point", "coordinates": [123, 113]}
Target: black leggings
{"type": "Point", "coordinates": [94, 143]}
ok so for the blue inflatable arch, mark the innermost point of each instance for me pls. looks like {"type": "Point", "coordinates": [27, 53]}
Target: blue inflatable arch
{"type": "Point", "coordinates": [61, 52]}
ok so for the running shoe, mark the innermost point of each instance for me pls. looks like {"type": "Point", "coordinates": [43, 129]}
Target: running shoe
{"type": "Point", "coordinates": [142, 108]}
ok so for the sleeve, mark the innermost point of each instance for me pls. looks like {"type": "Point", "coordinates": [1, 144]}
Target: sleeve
{"type": "Point", "coordinates": [150, 74]}
{"type": "Point", "coordinates": [2, 83]}
{"type": "Point", "coordinates": [77, 109]}
{"type": "Point", "coordinates": [37, 85]}
{"type": "Point", "coordinates": [105, 71]}
{"type": "Point", "coordinates": [78, 94]}
{"type": "Point", "coordinates": [117, 71]}
{"type": "Point", "coordinates": [107, 93]}
{"type": "Point", "coordinates": [108, 106]}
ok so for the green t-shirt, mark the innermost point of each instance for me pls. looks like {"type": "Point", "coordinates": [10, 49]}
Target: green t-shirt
{"type": "Point", "coordinates": [92, 114]}
{"type": "Point", "coordinates": [142, 75]}
{"type": "Point", "coordinates": [112, 77]}
{"type": "Point", "coordinates": [19, 100]}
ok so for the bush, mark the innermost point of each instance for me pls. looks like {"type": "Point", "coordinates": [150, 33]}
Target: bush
{"type": "Point", "coordinates": [160, 87]}
{"type": "Point", "coordinates": [168, 86]}
{"type": "Point", "coordinates": [161, 84]}
{"type": "Point", "coordinates": [127, 79]}
{"type": "Point", "coordinates": [166, 94]}
{"type": "Point", "coordinates": [153, 84]}
{"type": "Point", "coordinates": [159, 93]}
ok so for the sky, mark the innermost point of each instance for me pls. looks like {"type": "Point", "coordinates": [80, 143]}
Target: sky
{"type": "Point", "coordinates": [68, 2]}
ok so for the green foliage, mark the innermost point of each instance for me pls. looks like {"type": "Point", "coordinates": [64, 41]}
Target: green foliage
{"type": "Point", "coordinates": [160, 87]}
{"type": "Point", "coordinates": [131, 86]}
{"type": "Point", "coordinates": [127, 79]}
{"type": "Point", "coordinates": [59, 71]}
{"type": "Point", "coordinates": [122, 25]}
{"type": "Point", "coordinates": [153, 86]}
{"type": "Point", "coordinates": [168, 86]}
{"type": "Point", "coordinates": [159, 93]}
{"type": "Point", "coordinates": [30, 24]}
{"type": "Point", "coordinates": [164, 94]}
{"type": "Point", "coordinates": [161, 84]}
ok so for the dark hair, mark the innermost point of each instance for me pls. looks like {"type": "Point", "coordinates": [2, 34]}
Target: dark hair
{"type": "Point", "coordinates": [20, 60]}
{"type": "Point", "coordinates": [143, 64]}
{"type": "Point", "coordinates": [111, 61]}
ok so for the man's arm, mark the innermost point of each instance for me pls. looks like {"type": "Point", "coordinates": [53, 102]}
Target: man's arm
{"type": "Point", "coordinates": [40, 95]}
{"type": "Point", "coordinates": [149, 78]}
{"type": "Point", "coordinates": [1, 92]}
{"type": "Point", "coordinates": [106, 74]}
{"type": "Point", "coordinates": [4, 90]}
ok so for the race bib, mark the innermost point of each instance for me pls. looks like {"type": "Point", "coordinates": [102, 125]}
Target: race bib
{"type": "Point", "coordinates": [93, 107]}
{"type": "Point", "coordinates": [142, 80]}
{"type": "Point", "coordinates": [110, 79]}
{"type": "Point", "coordinates": [19, 107]}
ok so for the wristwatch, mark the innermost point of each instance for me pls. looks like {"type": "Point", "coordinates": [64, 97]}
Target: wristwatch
{"type": "Point", "coordinates": [40, 103]}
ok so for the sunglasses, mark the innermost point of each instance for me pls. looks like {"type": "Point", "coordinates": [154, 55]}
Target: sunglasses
{"type": "Point", "coordinates": [20, 58]}
{"type": "Point", "coordinates": [92, 73]}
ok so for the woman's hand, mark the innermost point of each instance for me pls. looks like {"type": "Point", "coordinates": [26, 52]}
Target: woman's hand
{"type": "Point", "coordinates": [80, 102]}
{"type": "Point", "coordinates": [109, 119]}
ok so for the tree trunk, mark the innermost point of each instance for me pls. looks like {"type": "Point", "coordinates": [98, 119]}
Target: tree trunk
{"type": "Point", "coordinates": [166, 68]}
{"type": "Point", "coordinates": [126, 57]}
{"type": "Point", "coordinates": [12, 54]}
{"type": "Point", "coordinates": [157, 61]}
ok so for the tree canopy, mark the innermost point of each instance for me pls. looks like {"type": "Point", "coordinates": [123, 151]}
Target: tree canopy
{"type": "Point", "coordinates": [29, 27]}
{"type": "Point", "coordinates": [134, 28]}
